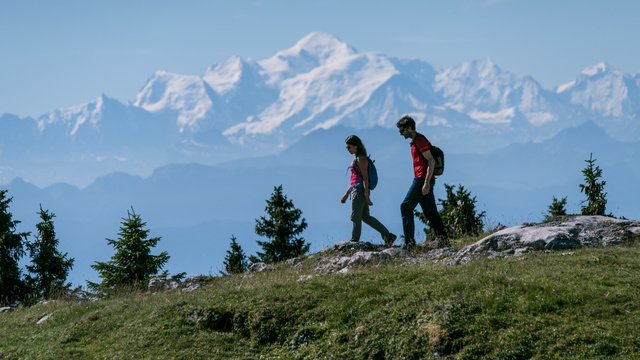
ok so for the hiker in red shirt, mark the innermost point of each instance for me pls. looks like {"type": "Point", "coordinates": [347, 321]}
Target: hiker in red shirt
{"type": "Point", "coordinates": [359, 191]}
{"type": "Point", "coordinates": [421, 190]}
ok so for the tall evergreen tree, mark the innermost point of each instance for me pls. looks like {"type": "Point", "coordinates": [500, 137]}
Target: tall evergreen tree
{"type": "Point", "coordinates": [282, 225]}
{"type": "Point", "coordinates": [593, 188]}
{"type": "Point", "coordinates": [132, 264]}
{"type": "Point", "coordinates": [556, 209]}
{"type": "Point", "coordinates": [236, 261]}
{"type": "Point", "coordinates": [12, 288]}
{"type": "Point", "coordinates": [49, 268]}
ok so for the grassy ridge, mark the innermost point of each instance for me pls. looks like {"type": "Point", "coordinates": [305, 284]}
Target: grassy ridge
{"type": "Point", "coordinates": [581, 304]}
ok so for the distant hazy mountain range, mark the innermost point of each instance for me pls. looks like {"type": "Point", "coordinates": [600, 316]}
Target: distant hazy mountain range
{"type": "Point", "coordinates": [244, 108]}
{"type": "Point", "coordinates": [197, 156]}
{"type": "Point", "coordinates": [196, 208]}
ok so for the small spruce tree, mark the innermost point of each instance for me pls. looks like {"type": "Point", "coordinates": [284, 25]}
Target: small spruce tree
{"type": "Point", "coordinates": [49, 268]}
{"type": "Point", "coordinates": [593, 188]}
{"type": "Point", "coordinates": [556, 209]}
{"type": "Point", "coordinates": [235, 262]}
{"type": "Point", "coordinates": [459, 214]}
{"type": "Point", "coordinates": [132, 264]}
{"type": "Point", "coordinates": [282, 225]}
{"type": "Point", "coordinates": [12, 288]}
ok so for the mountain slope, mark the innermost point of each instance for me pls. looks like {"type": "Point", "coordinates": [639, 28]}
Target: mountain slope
{"type": "Point", "coordinates": [493, 308]}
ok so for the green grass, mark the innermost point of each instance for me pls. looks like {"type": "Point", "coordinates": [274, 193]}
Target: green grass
{"type": "Point", "coordinates": [577, 305]}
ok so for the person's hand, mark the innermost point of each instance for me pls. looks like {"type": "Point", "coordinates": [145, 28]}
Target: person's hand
{"type": "Point", "coordinates": [425, 189]}
{"type": "Point", "coordinates": [344, 198]}
{"type": "Point", "coordinates": [368, 200]}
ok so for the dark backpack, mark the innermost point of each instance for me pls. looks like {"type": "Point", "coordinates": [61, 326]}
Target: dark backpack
{"type": "Point", "coordinates": [438, 156]}
{"type": "Point", "coordinates": [373, 172]}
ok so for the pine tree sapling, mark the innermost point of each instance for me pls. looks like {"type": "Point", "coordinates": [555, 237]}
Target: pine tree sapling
{"type": "Point", "coordinates": [49, 268]}
{"type": "Point", "coordinates": [556, 209]}
{"type": "Point", "coordinates": [593, 188]}
{"type": "Point", "coordinates": [132, 264]}
{"type": "Point", "coordinates": [458, 213]}
{"type": "Point", "coordinates": [282, 225]}
{"type": "Point", "coordinates": [235, 262]}
{"type": "Point", "coordinates": [12, 288]}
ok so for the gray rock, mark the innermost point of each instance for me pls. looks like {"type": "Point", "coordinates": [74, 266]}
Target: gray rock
{"type": "Point", "coordinates": [261, 267]}
{"type": "Point", "coordinates": [293, 262]}
{"type": "Point", "coordinates": [191, 288]}
{"type": "Point", "coordinates": [574, 232]}
{"type": "Point", "coordinates": [394, 252]}
{"type": "Point", "coordinates": [160, 284]}
{"type": "Point", "coordinates": [5, 309]}
{"type": "Point", "coordinates": [44, 319]}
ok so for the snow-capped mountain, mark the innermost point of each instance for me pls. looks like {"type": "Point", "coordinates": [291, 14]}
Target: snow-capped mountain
{"type": "Point", "coordinates": [242, 107]}
{"type": "Point", "coordinates": [312, 51]}
{"type": "Point", "coordinates": [490, 95]}
{"type": "Point", "coordinates": [609, 96]}
{"type": "Point", "coordinates": [190, 97]}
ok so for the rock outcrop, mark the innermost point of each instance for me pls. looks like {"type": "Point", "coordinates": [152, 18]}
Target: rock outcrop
{"type": "Point", "coordinates": [570, 233]}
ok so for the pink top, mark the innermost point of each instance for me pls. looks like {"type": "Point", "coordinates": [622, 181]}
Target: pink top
{"type": "Point", "coordinates": [355, 177]}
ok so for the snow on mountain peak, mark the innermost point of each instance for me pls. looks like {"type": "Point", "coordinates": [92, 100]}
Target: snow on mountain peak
{"type": "Point", "coordinates": [224, 77]}
{"type": "Point", "coordinates": [322, 46]}
{"type": "Point", "coordinates": [313, 50]}
{"type": "Point", "coordinates": [484, 68]}
{"type": "Point", "coordinates": [600, 88]}
{"type": "Point", "coordinates": [187, 94]}
{"type": "Point", "coordinates": [486, 93]}
{"type": "Point", "coordinates": [322, 97]}
{"type": "Point", "coordinates": [588, 73]}
{"type": "Point", "coordinates": [594, 70]}
{"type": "Point", "coordinates": [75, 116]}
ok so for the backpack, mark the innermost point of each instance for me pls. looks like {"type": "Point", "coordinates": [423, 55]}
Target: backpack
{"type": "Point", "coordinates": [373, 172]}
{"type": "Point", "coordinates": [438, 156]}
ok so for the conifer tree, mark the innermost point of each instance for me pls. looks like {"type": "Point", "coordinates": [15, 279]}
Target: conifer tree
{"type": "Point", "coordinates": [132, 264]}
{"type": "Point", "coordinates": [49, 268]}
{"type": "Point", "coordinates": [459, 214]}
{"type": "Point", "coordinates": [556, 209]}
{"type": "Point", "coordinates": [12, 288]}
{"type": "Point", "coordinates": [593, 188]}
{"type": "Point", "coordinates": [282, 225]}
{"type": "Point", "coordinates": [236, 261]}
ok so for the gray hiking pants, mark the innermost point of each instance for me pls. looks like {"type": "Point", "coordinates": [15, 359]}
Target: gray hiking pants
{"type": "Point", "coordinates": [360, 213]}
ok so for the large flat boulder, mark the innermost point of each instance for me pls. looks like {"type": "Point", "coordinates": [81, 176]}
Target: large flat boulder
{"type": "Point", "coordinates": [570, 233]}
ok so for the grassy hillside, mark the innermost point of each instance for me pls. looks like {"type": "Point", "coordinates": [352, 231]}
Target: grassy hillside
{"type": "Point", "coordinates": [563, 305]}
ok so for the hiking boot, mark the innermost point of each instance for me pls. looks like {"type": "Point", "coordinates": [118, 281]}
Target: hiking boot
{"type": "Point", "coordinates": [409, 244]}
{"type": "Point", "coordinates": [389, 239]}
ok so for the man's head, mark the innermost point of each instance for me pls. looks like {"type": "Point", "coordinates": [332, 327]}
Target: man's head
{"type": "Point", "coordinates": [406, 122]}
{"type": "Point", "coordinates": [406, 126]}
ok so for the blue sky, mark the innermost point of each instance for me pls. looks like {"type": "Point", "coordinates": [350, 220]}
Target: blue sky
{"type": "Point", "coordinates": [66, 52]}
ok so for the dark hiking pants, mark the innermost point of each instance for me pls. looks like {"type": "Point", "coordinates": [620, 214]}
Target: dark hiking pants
{"type": "Point", "coordinates": [427, 203]}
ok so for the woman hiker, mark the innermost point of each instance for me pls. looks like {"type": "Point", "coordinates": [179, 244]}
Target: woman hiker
{"type": "Point", "coordinates": [359, 190]}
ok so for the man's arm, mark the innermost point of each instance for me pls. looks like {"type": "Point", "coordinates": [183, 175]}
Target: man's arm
{"type": "Point", "coordinates": [426, 187]}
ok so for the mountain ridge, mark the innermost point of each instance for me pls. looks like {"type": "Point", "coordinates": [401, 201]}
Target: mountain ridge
{"type": "Point", "coordinates": [240, 108]}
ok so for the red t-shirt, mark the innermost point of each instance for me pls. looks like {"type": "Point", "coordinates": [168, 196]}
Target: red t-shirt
{"type": "Point", "coordinates": [419, 145]}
